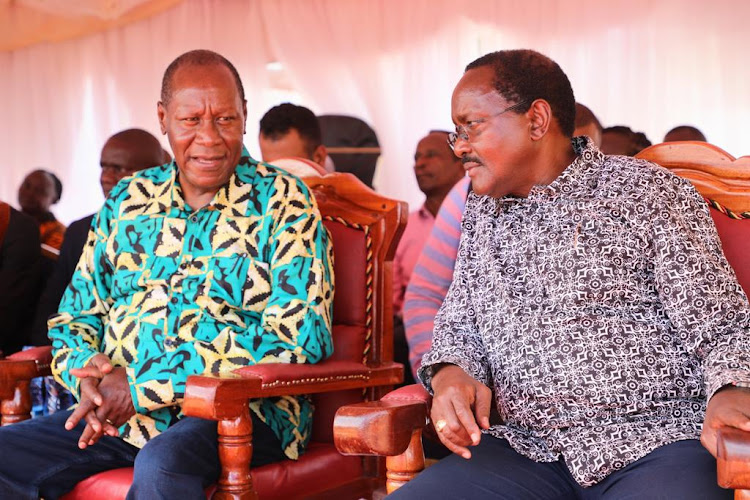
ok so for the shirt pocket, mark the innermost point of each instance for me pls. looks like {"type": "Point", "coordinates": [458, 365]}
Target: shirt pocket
{"type": "Point", "coordinates": [598, 261]}
{"type": "Point", "coordinates": [235, 286]}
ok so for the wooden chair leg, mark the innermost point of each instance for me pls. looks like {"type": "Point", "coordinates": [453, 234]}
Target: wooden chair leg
{"type": "Point", "coordinates": [235, 454]}
{"type": "Point", "coordinates": [18, 408]}
{"type": "Point", "coordinates": [401, 469]}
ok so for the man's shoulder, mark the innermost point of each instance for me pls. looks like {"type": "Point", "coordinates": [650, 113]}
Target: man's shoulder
{"type": "Point", "coordinates": [83, 222]}
{"type": "Point", "coordinates": [21, 224]}
{"type": "Point", "coordinates": [143, 182]}
{"type": "Point", "coordinates": [638, 177]}
{"type": "Point", "coordinates": [78, 230]}
{"type": "Point", "coordinates": [271, 180]}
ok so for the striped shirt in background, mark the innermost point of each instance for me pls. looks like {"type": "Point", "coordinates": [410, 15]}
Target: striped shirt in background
{"type": "Point", "coordinates": [433, 274]}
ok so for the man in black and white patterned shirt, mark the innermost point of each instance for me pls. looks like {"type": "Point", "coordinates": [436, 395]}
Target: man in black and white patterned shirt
{"type": "Point", "coordinates": [591, 303]}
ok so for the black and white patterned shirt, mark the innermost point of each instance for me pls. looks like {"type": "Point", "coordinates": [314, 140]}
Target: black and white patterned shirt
{"type": "Point", "coordinates": [600, 309]}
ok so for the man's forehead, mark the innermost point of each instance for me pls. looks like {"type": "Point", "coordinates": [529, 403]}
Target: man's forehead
{"type": "Point", "coordinates": [433, 140]}
{"type": "Point", "coordinates": [204, 78]}
{"type": "Point", "coordinates": [475, 88]}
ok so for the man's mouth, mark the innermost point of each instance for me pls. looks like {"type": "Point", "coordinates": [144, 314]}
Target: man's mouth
{"type": "Point", "coordinates": [207, 161]}
{"type": "Point", "coordinates": [470, 162]}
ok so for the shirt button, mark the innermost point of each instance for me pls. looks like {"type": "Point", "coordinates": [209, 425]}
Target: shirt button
{"type": "Point", "coordinates": [193, 218]}
{"type": "Point", "coordinates": [174, 300]}
{"type": "Point", "coordinates": [168, 343]}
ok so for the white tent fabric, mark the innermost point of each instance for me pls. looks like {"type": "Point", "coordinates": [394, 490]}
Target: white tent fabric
{"type": "Point", "coordinates": [28, 22]}
{"type": "Point", "coordinates": [650, 65]}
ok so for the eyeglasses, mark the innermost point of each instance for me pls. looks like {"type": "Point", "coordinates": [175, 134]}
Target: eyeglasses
{"type": "Point", "coordinates": [466, 132]}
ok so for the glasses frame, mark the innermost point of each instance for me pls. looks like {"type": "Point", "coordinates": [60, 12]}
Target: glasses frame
{"type": "Point", "coordinates": [463, 134]}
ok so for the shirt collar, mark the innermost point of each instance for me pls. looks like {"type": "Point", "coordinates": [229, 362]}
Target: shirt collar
{"type": "Point", "coordinates": [583, 172]}
{"type": "Point", "coordinates": [232, 195]}
{"type": "Point", "coordinates": [424, 213]}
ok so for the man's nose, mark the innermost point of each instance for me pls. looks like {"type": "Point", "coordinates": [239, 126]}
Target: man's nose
{"type": "Point", "coordinates": [461, 147]}
{"type": "Point", "coordinates": [208, 132]}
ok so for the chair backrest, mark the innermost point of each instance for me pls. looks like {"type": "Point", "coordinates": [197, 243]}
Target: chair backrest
{"type": "Point", "coordinates": [301, 167]}
{"type": "Point", "coordinates": [725, 184]}
{"type": "Point", "coordinates": [352, 145]}
{"type": "Point", "coordinates": [365, 228]}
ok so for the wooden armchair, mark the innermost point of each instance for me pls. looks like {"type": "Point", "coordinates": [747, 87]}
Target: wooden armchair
{"type": "Point", "coordinates": [393, 426]}
{"type": "Point", "coordinates": [365, 228]}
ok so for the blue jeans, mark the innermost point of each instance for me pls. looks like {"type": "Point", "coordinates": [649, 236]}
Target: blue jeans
{"type": "Point", "coordinates": [682, 470]}
{"type": "Point", "coordinates": [42, 459]}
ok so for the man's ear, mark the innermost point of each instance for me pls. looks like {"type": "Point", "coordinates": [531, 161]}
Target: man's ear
{"type": "Point", "coordinates": [162, 114]}
{"type": "Point", "coordinates": [244, 114]}
{"type": "Point", "coordinates": [540, 115]}
{"type": "Point", "coordinates": [319, 155]}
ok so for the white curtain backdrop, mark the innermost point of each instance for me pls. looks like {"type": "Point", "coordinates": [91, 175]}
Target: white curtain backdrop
{"type": "Point", "coordinates": [647, 64]}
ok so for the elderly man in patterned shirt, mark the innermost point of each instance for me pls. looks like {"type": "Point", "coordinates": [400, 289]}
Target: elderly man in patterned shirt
{"type": "Point", "coordinates": [591, 303]}
{"type": "Point", "coordinates": [204, 265]}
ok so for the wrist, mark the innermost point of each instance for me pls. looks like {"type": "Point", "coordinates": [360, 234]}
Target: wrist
{"type": "Point", "coordinates": [442, 370]}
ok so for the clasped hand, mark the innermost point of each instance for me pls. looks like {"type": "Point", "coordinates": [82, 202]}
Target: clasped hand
{"type": "Point", "coordinates": [458, 403]}
{"type": "Point", "coordinates": [105, 401]}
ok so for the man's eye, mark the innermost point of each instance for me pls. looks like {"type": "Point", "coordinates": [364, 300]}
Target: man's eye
{"type": "Point", "coordinates": [226, 119]}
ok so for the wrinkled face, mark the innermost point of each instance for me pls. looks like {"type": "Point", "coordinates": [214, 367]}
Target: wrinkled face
{"type": "Point", "coordinates": [37, 193]}
{"type": "Point", "coordinates": [499, 146]}
{"type": "Point", "coordinates": [289, 145]}
{"type": "Point", "coordinates": [204, 121]}
{"type": "Point", "coordinates": [120, 159]}
{"type": "Point", "coordinates": [435, 165]}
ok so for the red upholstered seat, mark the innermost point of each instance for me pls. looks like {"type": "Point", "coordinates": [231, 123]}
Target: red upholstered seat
{"type": "Point", "coordinates": [271, 482]}
{"type": "Point", "coordinates": [365, 228]}
{"type": "Point", "coordinates": [735, 241]}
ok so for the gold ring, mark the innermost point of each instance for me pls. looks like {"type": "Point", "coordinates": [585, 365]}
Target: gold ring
{"type": "Point", "coordinates": [109, 422]}
{"type": "Point", "coordinates": [440, 425]}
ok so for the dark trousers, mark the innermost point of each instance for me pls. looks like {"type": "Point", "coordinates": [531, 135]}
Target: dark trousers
{"type": "Point", "coordinates": [683, 470]}
{"type": "Point", "coordinates": [41, 458]}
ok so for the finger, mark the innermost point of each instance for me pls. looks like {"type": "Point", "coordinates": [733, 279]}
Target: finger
{"type": "Point", "coordinates": [93, 422]}
{"type": "Point", "coordinates": [90, 432]}
{"type": "Point", "coordinates": [459, 450]}
{"type": "Point", "coordinates": [108, 427]}
{"type": "Point", "coordinates": [89, 390]}
{"type": "Point", "coordinates": [482, 407]}
{"type": "Point", "coordinates": [97, 367]}
{"type": "Point", "coordinates": [79, 413]}
{"type": "Point", "coordinates": [708, 440]}
{"type": "Point", "coordinates": [451, 440]}
{"type": "Point", "coordinates": [103, 363]}
{"type": "Point", "coordinates": [83, 440]}
{"type": "Point", "coordinates": [86, 371]}
{"type": "Point", "coordinates": [466, 419]}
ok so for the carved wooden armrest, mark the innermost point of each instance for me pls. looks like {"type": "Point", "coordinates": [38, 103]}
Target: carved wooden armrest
{"type": "Point", "coordinates": [733, 458]}
{"type": "Point", "coordinates": [391, 427]}
{"type": "Point", "coordinates": [15, 373]}
{"type": "Point", "coordinates": [224, 398]}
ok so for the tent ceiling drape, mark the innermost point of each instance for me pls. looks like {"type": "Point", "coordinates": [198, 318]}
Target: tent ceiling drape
{"type": "Point", "coordinates": [650, 65]}
{"type": "Point", "coordinates": [28, 22]}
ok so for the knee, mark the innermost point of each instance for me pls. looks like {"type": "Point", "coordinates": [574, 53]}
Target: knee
{"type": "Point", "coordinates": [154, 458]}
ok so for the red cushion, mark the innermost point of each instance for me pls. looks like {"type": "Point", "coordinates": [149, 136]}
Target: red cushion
{"type": "Point", "coordinates": [735, 235]}
{"type": "Point", "coordinates": [319, 469]}
{"type": "Point", "coordinates": [112, 485]}
{"type": "Point", "coordinates": [349, 298]}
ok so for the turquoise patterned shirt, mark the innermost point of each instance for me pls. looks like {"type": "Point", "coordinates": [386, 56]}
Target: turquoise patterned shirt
{"type": "Point", "coordinates": [167, 292]}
